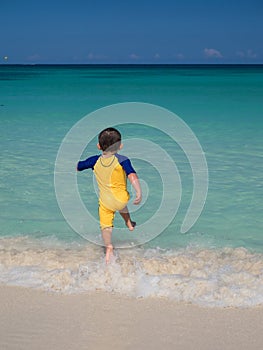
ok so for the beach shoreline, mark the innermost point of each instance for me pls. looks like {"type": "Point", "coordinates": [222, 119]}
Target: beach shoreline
{"type": "Point", "coordinates": [33, 319]}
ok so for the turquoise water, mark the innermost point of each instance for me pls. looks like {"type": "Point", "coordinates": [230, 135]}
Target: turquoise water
{"type": "Point", "coordinates": [223, 107]}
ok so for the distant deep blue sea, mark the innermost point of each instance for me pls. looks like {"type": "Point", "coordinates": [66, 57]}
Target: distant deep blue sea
{"type": "Point", "coordinates": [218, 262]}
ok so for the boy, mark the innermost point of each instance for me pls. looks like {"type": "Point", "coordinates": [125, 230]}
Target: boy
{"type": "Point", "coordinates": [111, 172]}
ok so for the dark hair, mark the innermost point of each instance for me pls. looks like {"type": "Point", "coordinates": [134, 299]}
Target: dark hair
{"type": "Point", "coordinates": [110, 140]}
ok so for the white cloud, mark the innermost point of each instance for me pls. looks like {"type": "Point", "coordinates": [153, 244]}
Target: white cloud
{"type": "Point", "coordinates": [180, 56]}
{"type": "Point", "coordinates": [91, 56]}
{"type": "Point", "coordinates": [34, 57]}
{"type": "Point", "coordinates": [212, 53]}
{"type": "Point", "coordinates": [240, 54]}
{"type": "Point", "coordinates": [133, 56]}
{"type": "Point", "coordinates": [247, 54]}
{"type": "Point", "coordinates": [94, 57]}
{"type": "Point", "coordinates": [251, 54]}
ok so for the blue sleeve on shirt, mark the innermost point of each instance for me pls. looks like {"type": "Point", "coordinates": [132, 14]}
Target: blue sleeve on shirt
{"type": "Point", "coordinates": [88, 163]}
{"type": "Point", "coordinates": [126, 164]}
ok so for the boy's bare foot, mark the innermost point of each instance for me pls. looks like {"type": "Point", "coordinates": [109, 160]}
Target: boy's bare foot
{"type": "Point", "coordinates": [127, 219]}
{"type": "Point", "coordinates": [109, 253]}
{"type": "Point", "coordinates": [131, 225]}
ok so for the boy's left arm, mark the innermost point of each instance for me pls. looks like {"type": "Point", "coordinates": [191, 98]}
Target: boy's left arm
{"type": "Point", "coordinates": [135, 182]}
{"type": "Point", "coordinates": [132, 176]}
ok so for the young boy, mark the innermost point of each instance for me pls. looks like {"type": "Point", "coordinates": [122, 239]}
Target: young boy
{"type": "Point", "coordinates": [111, 172]}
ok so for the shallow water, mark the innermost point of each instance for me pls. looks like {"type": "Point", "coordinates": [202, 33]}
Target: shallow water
{"type": "Point", "coordinates": [223, 250]}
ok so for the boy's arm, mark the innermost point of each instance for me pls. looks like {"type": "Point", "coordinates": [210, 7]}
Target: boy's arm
{"type": "Point", "coordinates": [87, 164]}
{"type": "Point", "coordinates": [132, 176]}
{"type": "Point", "coordinates": [135, 182]}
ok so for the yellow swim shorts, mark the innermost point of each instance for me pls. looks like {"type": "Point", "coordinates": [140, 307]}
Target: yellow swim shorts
{"type": "Point", "coordinates": [106, 216]}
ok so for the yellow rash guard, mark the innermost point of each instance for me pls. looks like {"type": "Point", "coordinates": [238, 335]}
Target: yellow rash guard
{"type": "Point", "coordinates": [111, 175]}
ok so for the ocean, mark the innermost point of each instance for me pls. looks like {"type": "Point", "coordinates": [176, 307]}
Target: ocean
{"type": "Point", "coordinates": [194, 135]}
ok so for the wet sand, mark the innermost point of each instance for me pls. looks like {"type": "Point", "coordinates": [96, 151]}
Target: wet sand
{"type": "Point", "coordinates": [32, 319]}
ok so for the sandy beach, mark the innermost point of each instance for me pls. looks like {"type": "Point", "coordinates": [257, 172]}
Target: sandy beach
{"type": "Point", "coordinates": [32, 319]}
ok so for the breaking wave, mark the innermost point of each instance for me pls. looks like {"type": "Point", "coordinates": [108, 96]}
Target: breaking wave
{"type": "Point", "coordinates": [208, 277]}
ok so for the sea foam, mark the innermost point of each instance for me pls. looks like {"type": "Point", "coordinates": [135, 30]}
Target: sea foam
{"type": "Point", "coordinates": [207, 277]}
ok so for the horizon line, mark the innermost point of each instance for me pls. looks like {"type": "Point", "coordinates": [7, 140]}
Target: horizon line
{"type": "Point", "coordinates": [132, 64]}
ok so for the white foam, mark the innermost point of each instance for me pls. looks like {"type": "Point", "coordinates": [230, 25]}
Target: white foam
{"type": "Point", "coordinates": [208, 277]}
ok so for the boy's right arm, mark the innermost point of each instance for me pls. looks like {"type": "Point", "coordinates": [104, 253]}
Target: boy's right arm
{"type": "Point", "coordinates": [88, 163]}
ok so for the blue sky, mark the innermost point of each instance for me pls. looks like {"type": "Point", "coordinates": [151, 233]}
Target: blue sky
{"type": "Point", "coordinates": [136, 31]}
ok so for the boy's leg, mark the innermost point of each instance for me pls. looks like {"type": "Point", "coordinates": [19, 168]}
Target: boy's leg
{"type": "Point", "coordinates": [106, 223]}
{"type": "Point", "coordinates": [106, 235]}
{"type": "Point", "coordinates": [126, 217]}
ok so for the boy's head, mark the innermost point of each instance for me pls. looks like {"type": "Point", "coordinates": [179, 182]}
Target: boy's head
{"type": "Point", "coordinates": [109, 140]}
